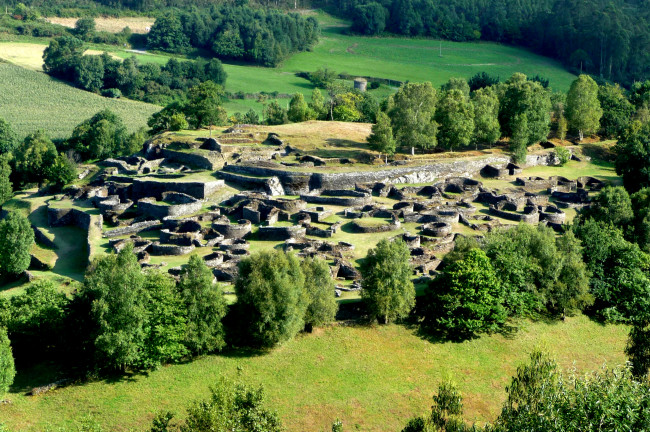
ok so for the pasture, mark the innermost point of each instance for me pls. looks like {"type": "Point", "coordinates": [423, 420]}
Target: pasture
{"type": "Point", "coordinates": [31, 100]}
{"type": "Point", "coordinates": [372, 378]}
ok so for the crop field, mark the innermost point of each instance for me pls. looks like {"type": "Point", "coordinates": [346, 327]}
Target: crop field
{"type": "Point", "coordinates": [372, 378]}
{"type": "Point", "coordinates": [31, 100]}
{"type": "Point", "coordinates": [109, 24]}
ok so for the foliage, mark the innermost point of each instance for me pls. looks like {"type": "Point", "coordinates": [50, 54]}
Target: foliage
{"type": "Point", "coordinates": [386, 287]}
{"type": "Point", "coordinates": [446, 412]}
{"type": "Point", "coordinates": [235, 31]}
{"type": "Point", "coordinates": [455, 117]}
{"type": "Point", "coordinates": [411, 111]}
{"type": "Point", "coordinates": [232, 406]}
{"type": "Point", "coordinates": [537, 270]}
{"type": "Point", "coordinates": [459, 84]}
{"type": "Point", "coordinates": [540, 398]}
{"type": "Point", "coordinates": [204, 305]}
{"type": "Point", "coordinates": [562, 127]}
{"type": "Point", "coordinates": [638, 347]}
{"type": "Point", "coordinates": [633, 156]}
{"type": "Point", "coordinates": [563, 155]}
{"type": "Point", "coordinates": [612, 205]}
{"type": "Point", "coordinates": [583, 111]}
{"type": "Point", "coordinates": [322, 77]}
{"type": "Point", "coordinates": [7, 367]}
{"type": "Point", "coordinates": [6, 187]}
{"type": "Point", "coordinates": [317, 104]}
{"type": "Point", "coordinates": [482, 80]}
{"type": "Point", "coordinates": [381, 139]}
{"type": "Point", "coordinates": [522, 97]}
{"type": "Point", "coordinates": [101, 136]}
{"type": "Point", "coordinates": [345, 107]}
{"type": "Point", "coordinates": [369, 19]}
{"type": "Point", "coordinates": [271, 297]}
{"type": "Point", "coordinates": [34, 157]}
{"type": "Point", "coordinates": [617, 110]}
{"type": "Point", "coordinates": [16, 240]}
{"type": "Point", "coordinates": [204, 105]}
{"type": "Point", "coordinates": [85, 28]}
{"type": "Point", "coordinates": [63, 171]}
{"type": "Point", "coordinates": [298, 109]}
{"type": "Point", "coordinates": [486, 116]}
{"type": "Point", "coordinates": [113, 286]}
{"type": "Point", "coordinates": [170, 118]}
{"type": "Point", "coordinates": [275, 114]}
{"type": "Point", "coordinates": [8, 140]}
{"type": "Point", "coordinates": [466, 299]}
{"type": "Point", "coordinates": [519, 139]}
{"type": "Point", "coordinates": [319, 286]}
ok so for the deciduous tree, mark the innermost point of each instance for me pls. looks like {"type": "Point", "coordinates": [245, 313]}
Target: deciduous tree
{"type": "Point", "coordinates": [455, 117]}
{"type": "Point", "coordinates": [412, 112]}
{"type": "Point", "coordinates": [583, 109]}
{"type": "Point", "coordinates": [319, 286]}
{"type": "Point", "coordinates": [16, 240]}
{"type": "Point", "coordinates": [381, 139]}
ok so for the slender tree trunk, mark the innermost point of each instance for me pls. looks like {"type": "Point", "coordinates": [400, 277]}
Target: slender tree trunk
{"type": "Point", "coordinates": [580, 134]}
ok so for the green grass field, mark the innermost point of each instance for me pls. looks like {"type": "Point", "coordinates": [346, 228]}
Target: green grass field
{"type": "Point", "coordinates": [31, 100]}
{"type": "Point", "coordinates": [372, 378]}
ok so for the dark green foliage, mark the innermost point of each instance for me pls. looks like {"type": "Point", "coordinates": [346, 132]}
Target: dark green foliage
{"type": "Point", "coordinates": [519, 139]}
{"type": "Point", "coordinates": [275, 114]}
{"type": "Point", "coordinates": [84, 28]}
{"type": "Point", "coordinates": [322, 77]}
{"type": "Point", "coordinates": [34, 157]}
{"type": "Point", "coordinates": [563, 155]}
{"type": "Point", "coordinates": [205, 307]}
{"type": "Point", "coordinates": [62, 171]}
{"type": "Point", "coordinates": [482, 80]}
{"type": "Point", "coordinates": [271, 297]}
{"type": "Point", "coordinates": [61, 56]}
{"type": "Point", "coordinates": [467, 299]}
{"type": "Point", "coordinates": [369, 19]}
{"type": "Point", "coordinates": [525, 98]}
{"type": "Point", "coordinates": [16, 240]}
{"type": "Point", "coordinates": [446, 412]}
{"type": "Point", "coordinates": [237, 32]}
{"type": "Point", "coordinates": [204, 105]}
{"type": "Point", "coordinates": [456, 84]}
{"type": "Point", "coordinates": [387, 288]}
{"type": "Point", "coordinates": [538, 270]}
{"type": "Point", "coordinates": [8, 139]}
{"type": "Point", "coordinates": [89, 73]}
{"type": "Point", "coordinates": [36, 321]}
{"type": "Point", "coordinates": [319, 286]}
{"type": "Point", "coordinates": [638, 347]}
{"type": "Point", "coordinates": [583, 111]}
{"type": "Point", "coordinates": [166, 324]}
{"type": "Point", "coordinates": [612, 205]}
{"type": "Point", "coordinates": [252, 117]}
{"type": "Point", "coordinates": [633, 156]}
{"type": "Point", "coordinates": [232, 406]}
{"type": "Point", "coordinates": [167, 34]}
{"type": "Point", "coordinates": [6, 187]}
{"type": "Point", "coordinates": [170, 118]}
{"type": "Point", "coordinates": [113, 286]}
{"type": "Point", "coordinates": [7, 368]}
{"type": "Point", "coordinates": [486, 116]}
{"type": "Point", "coordinates": [617, 110]}
{"type": "Point", "coordinates": [618, 270]}
{"type": "Point", "coordinates": [101, 136]}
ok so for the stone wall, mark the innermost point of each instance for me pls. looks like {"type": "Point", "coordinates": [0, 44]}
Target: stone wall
{"type": "Point", "coordinates": [203, 159]}
{"type": "Point", "coordinates": [133, 228]}
{"type": "Point", "coordinates": [154, 189]}
{"type": "Point", "coordinates": [303, 182]}
{"type": "Point", "coordinates": [174, 204]}
{"type": "Point", "coordinates": [92, 224]}
{"type": "Point", "coordinates": [281, 233]}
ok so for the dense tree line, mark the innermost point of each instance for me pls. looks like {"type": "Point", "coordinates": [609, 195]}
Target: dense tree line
{"type": "Point", "coordinates": [64, 58]}
{"type": "Point", "coordinates": [235, 32]}
{"type": "Point", "coordinates": [608, 39]}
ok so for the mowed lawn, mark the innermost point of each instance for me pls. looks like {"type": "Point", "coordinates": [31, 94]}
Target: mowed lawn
{"type": "Point", "coordinates": [372, 378]}
{"type": "Point", "coordinates": [31, 100]}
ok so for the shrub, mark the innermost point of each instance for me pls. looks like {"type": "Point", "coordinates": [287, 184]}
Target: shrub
{"type": "Point", "coordinates": [563, 155]}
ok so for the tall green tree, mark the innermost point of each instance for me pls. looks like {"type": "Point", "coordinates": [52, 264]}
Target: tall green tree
{"type": "Point", "coordinates": [381, 139]}
{"type": "Point", "coordinates": [34, 157]}
{"type": "Point", "coordinates": [113, 287]}
{"type": "Point", "coordinates": [275, 114]}
{"type": "Point", "coordinates": [457, 84]}
{"type": "Point", "coordinates": [271, 297]}
{"type": "Point", "coordinates": [386, 285]}
{"type": "Point", "coordinates": [205, 306]}
{"type": "Point", "coordinates": [7, 367]}
{"type": "Point", "coordinates": [204, 105]}
{"type": "Point", "coordinates": [101, 136]}
{"type": "Point", "coordinates": [317, 104]}
{"type": "Point", "coordinates": [85, 28]}
{"type": "Point", "coordinates": [525, 98]}
{"type": "Point", "coordinates": [455, 117]}
{"type": "Point", "coordinates": [319, 286]}
{"type": "Point", "coordinates": [298, 109]}
{"type": "Point", "coordinates": [617, 110]}
{"type": "Point", "coordinates": [167, 34]}
{"type": "Point", "coordinates": [486, 116]}
{"type": "Point", "coordinates": [466, 299]}
{"type": "Point", "coordinates": [8, 139]}
{"type": "Point", "coordinates": [583, 109]}
{"type": "Point", "coordinates": [166, 324]}
{"type": "Point", "coordinates": [520, 138]}
{"type": "Point", "coordinates": [16, 240]}
{"type": "Point", "coordinates": [412, 112]}
{"type": "Point", "coordinates": [612, 205]}
{"type": "Point", "coordinates": [633, 156]}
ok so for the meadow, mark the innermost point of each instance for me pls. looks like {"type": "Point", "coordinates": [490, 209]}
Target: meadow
{"type": "Point", "coordinates": [372, 378]}
{"type": "Point", "coordinates": [31, 100]}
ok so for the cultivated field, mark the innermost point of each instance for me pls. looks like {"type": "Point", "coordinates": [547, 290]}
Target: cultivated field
{"type": "Point", "coordinates": [372, 378]}
{"type": "Point", "coordinates": [113, 25]}
{"type": "Point", "coordinates": [32, 100]}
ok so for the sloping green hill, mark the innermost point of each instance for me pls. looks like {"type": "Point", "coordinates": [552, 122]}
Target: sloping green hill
{"type": "Point", "coordinates": [31, 100]}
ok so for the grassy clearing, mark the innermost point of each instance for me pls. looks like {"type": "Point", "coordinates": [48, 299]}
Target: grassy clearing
{"type": "Point", "coordinates": [373, 378]}
{"type": "Point", "coordinates": [31, 100]}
